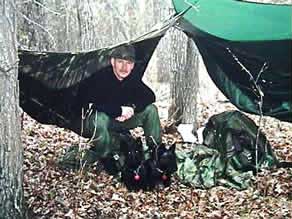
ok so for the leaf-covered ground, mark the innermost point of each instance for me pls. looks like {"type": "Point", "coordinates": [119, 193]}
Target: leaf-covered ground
{"type": "Point", "coordinates": [51, 192]}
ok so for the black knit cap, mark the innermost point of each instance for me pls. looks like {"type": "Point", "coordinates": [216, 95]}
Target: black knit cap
{"type": "Point", "coordinates": [126, 52]}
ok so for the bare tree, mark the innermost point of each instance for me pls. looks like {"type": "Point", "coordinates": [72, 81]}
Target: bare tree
{"type": "Point", "coordinates": [11, 158]}
{"type": "Point", "coordinates": [185, 83]}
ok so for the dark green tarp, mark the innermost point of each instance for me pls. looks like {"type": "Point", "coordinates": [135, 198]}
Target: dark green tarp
{"type": "Point", "coordinates": [246, 48]}
{"type": "Point", "coordinates": [49, 81]}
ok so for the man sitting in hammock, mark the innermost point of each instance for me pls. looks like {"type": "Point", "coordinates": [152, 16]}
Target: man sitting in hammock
{"type": "Point", "coordinates": [118, 100]}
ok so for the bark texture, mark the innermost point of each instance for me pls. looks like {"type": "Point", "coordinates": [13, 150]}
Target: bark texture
{"type": "Point", "coordinates": [185, 81]}
{"type": "Point", "coordinates": [11, 154]}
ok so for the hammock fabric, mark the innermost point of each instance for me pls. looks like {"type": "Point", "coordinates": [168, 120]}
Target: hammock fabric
{"type": "Point", "coordinates": [246, 48]}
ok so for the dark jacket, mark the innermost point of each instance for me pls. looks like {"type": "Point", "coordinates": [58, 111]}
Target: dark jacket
{"type": "Point", "coordinates": [108, 94]}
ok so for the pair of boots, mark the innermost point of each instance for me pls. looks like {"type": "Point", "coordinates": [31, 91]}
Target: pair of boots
{"type": "Point", "coordinates": [76, 158]}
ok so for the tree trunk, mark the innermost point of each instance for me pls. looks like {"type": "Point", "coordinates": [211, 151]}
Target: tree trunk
{"type": "Point", "coordinates": [191, 84]}
{"type": "Point", "coordinates": [11, 158]}
{"type": "Point", "coordinates": [184, 86]}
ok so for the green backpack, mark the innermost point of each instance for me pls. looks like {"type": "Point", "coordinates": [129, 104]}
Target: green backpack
{"type": "Point", "coordinates": [236, 138]}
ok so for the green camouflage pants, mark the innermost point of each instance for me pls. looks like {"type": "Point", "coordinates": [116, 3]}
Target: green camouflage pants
{"type": "Point", "coordinates": [105, 140]}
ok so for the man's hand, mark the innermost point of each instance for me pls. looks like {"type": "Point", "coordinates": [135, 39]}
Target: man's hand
{"type": "Point", "coordinates": [127, 113]}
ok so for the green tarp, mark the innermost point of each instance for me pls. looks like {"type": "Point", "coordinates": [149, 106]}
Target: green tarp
{"type": "Point", "coordinates": [235, 20]}
{"type": "Point", "coordinates": [246, 48]}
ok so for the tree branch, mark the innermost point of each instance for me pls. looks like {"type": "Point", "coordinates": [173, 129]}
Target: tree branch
{"type": "Point", "coordinates": [48, 9]}
{"type": "Point", "coordinates": [261, 95]}
{"type": "Point", "coordinates": [41, 5]}
{"type": "Point", "coordinates": [35, 23]}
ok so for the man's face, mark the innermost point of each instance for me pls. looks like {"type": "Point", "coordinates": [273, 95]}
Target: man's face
{"type": "Point", "coordinates": [122, 68]}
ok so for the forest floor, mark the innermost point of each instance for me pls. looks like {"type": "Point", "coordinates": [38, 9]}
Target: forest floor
{"type": "Point", "coordinates": [51, 192]}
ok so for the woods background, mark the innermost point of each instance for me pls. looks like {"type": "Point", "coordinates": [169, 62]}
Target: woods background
{"type": "Point", "coordinates": [176, 73]}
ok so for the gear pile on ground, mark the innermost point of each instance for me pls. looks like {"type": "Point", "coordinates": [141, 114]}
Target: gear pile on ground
{"type": "Point", "coordinates": [51, 192]}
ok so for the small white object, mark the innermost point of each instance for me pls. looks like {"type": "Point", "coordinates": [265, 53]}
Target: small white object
{"type": "Point", "coordinates": [200, 135]}
{"type": "Point", "coordinates": [185, 131]}
{"type": "Point", "coordinates": [116, 157]}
